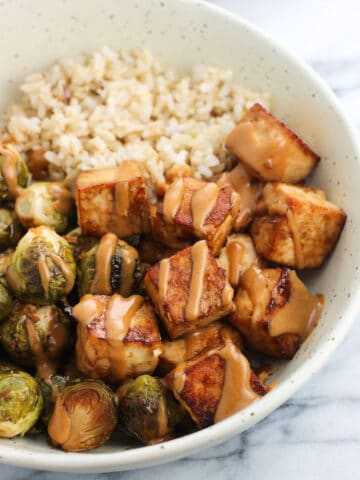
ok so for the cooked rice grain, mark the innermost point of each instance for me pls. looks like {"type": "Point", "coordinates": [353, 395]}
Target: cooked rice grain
{"type": "Point", "coordinates": [96, 111]}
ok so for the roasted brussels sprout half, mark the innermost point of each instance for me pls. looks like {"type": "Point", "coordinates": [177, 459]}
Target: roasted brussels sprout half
{"type": "Point", "coordinates": [84, 416]}
{"type": "Point", "coordinates": [45, 203]}
{"type": "Point", "coordinates": [111, 266]}
{"type": "Point", "coordinates": [14, 174]}
{"type": "Point", "coordinates": [5, 258]}
{"type": "Point", "coordinates": [10, 229]}
{"type": "Point", "coordinates": [32, 335]}
{"type": "Point", "coordinates": [21, 401]}
{"type": "Point", "coordinates": [147, 410]}
{"type": "Point", "coordinates": [5, 301]}
{"type": "Point", "coordinates": [42, 269]}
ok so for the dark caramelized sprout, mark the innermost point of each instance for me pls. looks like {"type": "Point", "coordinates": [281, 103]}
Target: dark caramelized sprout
{"type": "Point", "coordinates": [45, 203]}
{"type": "Point", "coordinates": [14, 173]}
{"type": "Point", "coordinates": [5, 301]}
{"type": "Point", "coordinates": [125, 270]}
{"type": "Point", "coordinates": [32, 333]}
{"type": "Point", "coordinates": [147, 410]}
{"type": "Point", "coordinates": [42, 269]}
{"type": "Point", "coordinates": [79, 243]}
{"type": "Point", "coordinates": [21, 401]}
{"type": "Point", "coordinates": [84, 416]}
{"type": "Point", "coordinates": [10, 229]}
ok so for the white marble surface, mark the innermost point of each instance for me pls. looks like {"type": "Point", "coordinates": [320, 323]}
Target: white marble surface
{"type": "Point", "coordinates": [315, 435]}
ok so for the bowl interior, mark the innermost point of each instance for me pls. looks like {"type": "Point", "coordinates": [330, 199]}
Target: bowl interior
{"type": "Point", "coordinates": [181, 33]}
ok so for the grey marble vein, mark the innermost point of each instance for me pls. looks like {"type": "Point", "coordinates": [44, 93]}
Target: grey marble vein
{"type": "Point", "coordinates": [316, 434]}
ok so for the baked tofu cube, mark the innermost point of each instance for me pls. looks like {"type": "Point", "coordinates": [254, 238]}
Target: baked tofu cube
{"type": "Point", "coordinates": [237, 256]}
{"type": "Point", "coordinates": [296, 227]}
{"type": "Point", "coordinates": [113, 200]}
{"type": "Point", "coordinates": [182, 349]}
{"type": "Point", "coordinates": [275, 311]}
{"type": "Point", "coordinates": [202, 209]}
{"type": "Point", "coordinates": [215, 384]}
{"type": "Point", "coordinates": [189, 290]}
{"type": "Point", "coordinates": [269, 148]}
{"type": "Point", "coordinates": [169, 234]}
{"type": "Point", "coordinates": [249, 190]}
{"type": "Point", "coordinates": [117, 337]}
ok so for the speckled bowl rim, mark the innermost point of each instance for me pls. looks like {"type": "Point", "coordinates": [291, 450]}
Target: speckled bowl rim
{"type": "Point", "coordinates": [216, 434]}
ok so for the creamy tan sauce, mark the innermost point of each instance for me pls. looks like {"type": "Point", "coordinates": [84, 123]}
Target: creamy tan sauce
{"type": "Point", "coordinates": [163, 282]}
{"type": "Point", "coordinates": [87, 309]}
{"type": "Point", "coordinates": [128, 266]}
{"type": "Point", "coordinates": [45, 275]}
{"type": "Point", "coordinates": [199, 258]}
{"type": "Point", "coordinates": [203, 202]}
{"type": "Point", "coordinates": [101, 283]}
{"type": "Point", "coordinates": [65, 270]}
{"type": "Point", "coordinates": [9, 170]}
{"type": "Point", "coordinates": [172, 200]}
{"type": "Point", "coordinates": [235, 254]}
{"type": "Point", "coordinates": [59, 427]}
{"type": "Point", "coordinates": [62, 199]}
{"type": "Point", "coordinates": [237, 392]}
{"type": "Point", "coordinates": [256, 285]}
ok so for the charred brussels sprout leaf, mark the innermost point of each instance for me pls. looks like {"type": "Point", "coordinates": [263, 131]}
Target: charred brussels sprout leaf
{"type": "Point", "coordinates": [147, 410]}
{"type": "Point", "coordinates": [21, 402]}
{"type": "Point", "coordinates": [10, 229]}
{"type": "Point", "coordinates": [45, 203]}
{"type": "Point", "coordinates": [5, 301]}
{"type": "Point", "coordinates": [42, 269]}
{"type": "Point", "coordinates": [84, 416]}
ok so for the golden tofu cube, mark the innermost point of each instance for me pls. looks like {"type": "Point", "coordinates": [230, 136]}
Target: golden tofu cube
{"type": "Point", "coordinates": [275, 311]}
{"type": "Point", "coordinates": [237, 256]}
{"type": "Point", "coordinates": [117, 337]}
{"type": "Point", "coordinates": [169, 234]}
{"type": "Point", "coordinates": [189, 290]}
{"type": "Point", "coordinates": [269, 148]}
{"type": "Point", "coordinates": [201, 209]}
{"type": "Point", "coordinates": [113, 200]}
{"type": "Point", "coordinates": [249, 190]}
{"type": "Point", "coordinates": [296, 227]}
{"type": "Point", "coordinates": [215, 384]}
{"type": "Point", "coordinates": [182, 349]}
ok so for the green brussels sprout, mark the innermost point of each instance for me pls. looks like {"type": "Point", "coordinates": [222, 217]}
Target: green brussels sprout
{"type": "Point", "coordinates": [42, 269]}
{"type": "Point", "coordinates": [5, 301]}
{"type": "Point", "coordinates": [79, 243]}
{"type": "Point", "coordinates": [111, 266]}
{"type": "Point", "coordinates": [5, 258]}
{"type": "Point", "coordinates": [45, 203]}
{"type": "Point", "coordinates": [147, 410]}
{"type": "Point", "coordinates": [14, 174]}
{"type": "Point", "coordinates": [32, 334]}
{"type": "Point", "coordinates": [10, 229]}
{"type": "Point", "coordinates": [84, 416]}
{"type": "Point", "coordinates": [21, 401]}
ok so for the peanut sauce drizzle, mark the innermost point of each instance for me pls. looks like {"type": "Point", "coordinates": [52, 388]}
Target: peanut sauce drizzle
{"type": "Point", "coordinates": [45, 275]}
{"type": "Point", "coordinates": [87, 309]}
{"type": "Point", "coordinates": [199, 257]}
{"type": "Point", "coordinates": [163, 283]}
{"type": "Point", "coordinates": [101, 283]}
{"type": "Point", "coordinates": [256, 285]}
{"type": "Point", "coordinates": [235, 254]}
{"type": "Point", "coordinates": [62, 199]}
{"type": "Point", "coordinates": [203, 202]}
{"type": "Point", "coordinates": [9, 169]}
{"type": "Point", "coordinates": [237, 392]}
{"type": "Point", "coordinates": [128, 266]}
{"type": "Point", "coordinates": [172, 200]}
{"type": "Point", "coordinates": [65, 270]}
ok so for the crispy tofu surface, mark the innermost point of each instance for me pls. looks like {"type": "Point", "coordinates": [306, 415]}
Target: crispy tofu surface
{"type": "Point", "coordinates": [275, 311]}
{"type": "Point", "coordinates": [189, 290]}
{"type": "Point", "coordinates": [177, 351]}
{"type": "Point", "coordinates": [117, 338]}
{"type": "Point", "coordinates": [201, 209]}
{"type": "Point", "coordinates": [297, 227]}
{"type": "Point", "coordinates": [214, 384]}
{"type": "Point", "coordinates": [269, 148]}
{"type": "Point", "coordinates": [113, 200]}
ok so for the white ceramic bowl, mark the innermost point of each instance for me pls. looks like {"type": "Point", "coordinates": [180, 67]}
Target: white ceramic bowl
{"type": "Point", "coordinates": [182, 32]}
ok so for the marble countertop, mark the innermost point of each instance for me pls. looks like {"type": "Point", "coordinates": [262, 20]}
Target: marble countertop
{"type": "Point", "coordinates": [316, 434]}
